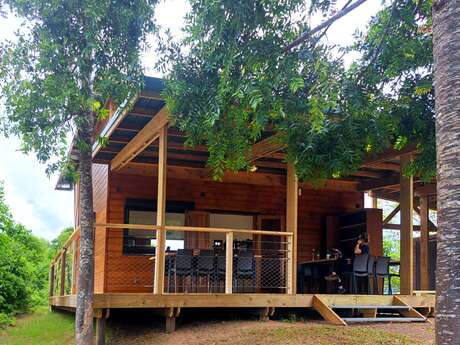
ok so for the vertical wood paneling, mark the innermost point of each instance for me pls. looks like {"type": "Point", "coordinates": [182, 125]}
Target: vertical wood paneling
{"type": "Point", "coordinates": [313, 206]}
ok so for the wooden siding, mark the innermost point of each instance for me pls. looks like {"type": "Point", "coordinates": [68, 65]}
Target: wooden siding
{"type": "Point", "coordinates": [123, 271]}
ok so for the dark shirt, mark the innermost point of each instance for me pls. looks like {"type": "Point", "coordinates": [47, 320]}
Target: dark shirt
{"type": "Point", "coordinates": [364, 248]}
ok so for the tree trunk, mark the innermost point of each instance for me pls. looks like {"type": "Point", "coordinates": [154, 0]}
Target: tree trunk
{"type": "Point", "coordinates": [446, 39]}
{"type": "Point", "coordinates": [85, 287]}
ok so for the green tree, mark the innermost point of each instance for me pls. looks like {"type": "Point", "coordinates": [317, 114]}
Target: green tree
{"type": "Point", "coordinates": [241, 68]}
{"type": "Point", "coordinates": [23, 265]}
{"type": "Point", "coordinates": [70, 57]}
{"type": "Point", "coordinates": [58, 242]}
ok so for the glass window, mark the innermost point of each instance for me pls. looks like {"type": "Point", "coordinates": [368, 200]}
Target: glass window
{"type": "Point", "coordinates": [143, 242]}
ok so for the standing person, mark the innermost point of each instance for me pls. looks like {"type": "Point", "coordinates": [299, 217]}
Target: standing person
{"type": "Point", "coordinates": [362, 245]}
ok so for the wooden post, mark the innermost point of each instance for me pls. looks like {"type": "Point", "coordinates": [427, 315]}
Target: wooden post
{"type": "Point", "coordinates": [170, 324]}
{"type": "Point", "coordinates": [406, 233]}
{"type": "Point", "coordinates": [63, 264]}
{"type": "Point", "coordinates": [375, 202]}
{"type": "Point", "coordinates": [292, 200]}
{"type": "Point", "coordinates": [424, 244]}
{"type": "Point", "coordinates": [100, 326]}
{"type": "Point", "coordinates": [74, 266]}
{"type": "Point", "coordinates": [51, 281]}
{"type": "Point", "coordinates": [158, 286]}
{"type": "Point", "coordinates": [229, 263]}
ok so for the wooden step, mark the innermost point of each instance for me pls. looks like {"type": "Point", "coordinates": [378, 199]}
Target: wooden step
{"type": "Point", "coordinates": [353, 306]}
{"type": "Point", "coordinates": [383, 319]}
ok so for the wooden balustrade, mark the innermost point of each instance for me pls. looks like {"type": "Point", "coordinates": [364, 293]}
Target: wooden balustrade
{"type": "Point", "coordinates": [58, 265]}
{"type": "Point", "coordinates": [59, 262]}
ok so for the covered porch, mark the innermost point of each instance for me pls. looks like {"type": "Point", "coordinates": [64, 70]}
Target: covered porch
{"type": "Point", "coordinates": [157, 244]}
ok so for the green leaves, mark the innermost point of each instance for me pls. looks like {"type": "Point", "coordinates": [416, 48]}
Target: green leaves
{"type": "Point", "coordinates": [296, 84]}
{"type": "Point", "coordinates": [76, 56]}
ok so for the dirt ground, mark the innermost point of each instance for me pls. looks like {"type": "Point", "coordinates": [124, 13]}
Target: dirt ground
{"type": "Point", "coordinates": [245, 330]}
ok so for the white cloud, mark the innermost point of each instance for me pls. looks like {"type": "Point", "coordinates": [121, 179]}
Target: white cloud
{"type": "Point", "coordinates": [30, 193]}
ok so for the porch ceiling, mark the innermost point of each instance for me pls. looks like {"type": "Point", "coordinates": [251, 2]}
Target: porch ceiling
{"type": "Point", "coordinates": [379, 173]}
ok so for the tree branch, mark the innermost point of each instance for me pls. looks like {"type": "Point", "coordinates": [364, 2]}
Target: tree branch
{"type": "Point", "coordinates": [306, 34]}
{"type": "Point", "coordinates": [380, 45]}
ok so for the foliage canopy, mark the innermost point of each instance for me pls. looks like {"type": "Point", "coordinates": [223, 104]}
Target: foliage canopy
{"type": "Point", "coordinates": [231, 78]}
{"type": "Point", "coordinates": [69, 58]}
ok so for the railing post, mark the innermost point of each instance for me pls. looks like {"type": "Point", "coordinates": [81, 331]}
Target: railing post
{"type": "Point", "coordinates": [406, 245]}
{"type": "Point", "coordinates": [74, 266]}
{"type": "Point", "coordinates": [292, 200]}
{"type": "Point", "coordinates": [159, 277]}
{"type": "Point", "coordinates": [63, 264]}
{"type": "Point", "coordinates": [51, 281]}
{"type": "Point", "coordinates": [229, 263]}
{"type": "Point", "coordinates": [290, 266]}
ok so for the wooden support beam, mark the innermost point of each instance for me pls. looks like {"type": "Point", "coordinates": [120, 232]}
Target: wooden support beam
{"type": "Point", "coordinates": [266, 147]}
{"type": "Point", "coordinates": [242, 177]}
{"type": "Point", "coordinates": [229, 263]}
{"type": "Point", "coordinates": [170, 324]}
{"type": "Point", "coordinates": [150, 95]}
{"type": "Point", "coordinates": [424, 244]}
{"type": "Point", "coordinates": [63, 267]}
{"type": "Point", "coordinates": [292, 202]}
{"type": "Point", "coordinates": [391, 215]}
{"type": "Point", "coordinates": [326, 312]}
{"type": "Point", "coordinates": [411, 312]}
{"type": "Point", "coordinates": [101, 317]}
{"type": "Point", "coordinates": [158, 286]}
{"type": "Point", "coordinates": [144, 138]}
{"type": "Point", "coordinates": [398, 227]}
{"type": "Point", "coordinates": [406, 233]}
{"type": "Point", "coordinates": [431, 226]}
{"type": "Point", "coordinates": [375, 202]}
{"type": "Point", "coordinates": [392, 180]}
{"type": "Point", "coordinates": [390, 154]}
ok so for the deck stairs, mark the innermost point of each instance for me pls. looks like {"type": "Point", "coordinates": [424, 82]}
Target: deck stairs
{"type": "Point", "coordinates": [348, 309]}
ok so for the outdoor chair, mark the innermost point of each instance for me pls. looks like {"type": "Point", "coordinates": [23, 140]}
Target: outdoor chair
{"type": "Point", "coordinates": [360, 270]}
{"type": "Point", "coordinates": [205, 268]}
{"type": "Point", "coordinates": [183, 268]}
{"type": "Point", "coordinates": [245, 269]}
{"type": "Point", "coordinates": [382, 270]}
{"type": "Point", "coordinates": [220, 272]}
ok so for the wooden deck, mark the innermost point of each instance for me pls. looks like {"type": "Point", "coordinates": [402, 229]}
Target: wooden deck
{"type": "Point", "coordinates": [150, 300]}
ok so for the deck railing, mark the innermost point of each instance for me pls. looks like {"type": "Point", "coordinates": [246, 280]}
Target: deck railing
{"type": "Point", "coordinates": [64, 267]}
{"type": "Point", "coordinates": [256, 261]}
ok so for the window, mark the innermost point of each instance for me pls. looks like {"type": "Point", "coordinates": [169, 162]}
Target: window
{"type": "Point", "coordinates": [143, 242]}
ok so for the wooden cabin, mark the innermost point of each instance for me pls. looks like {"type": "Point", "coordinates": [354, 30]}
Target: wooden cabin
{"type": "Point", "coordinates": [168, 236]}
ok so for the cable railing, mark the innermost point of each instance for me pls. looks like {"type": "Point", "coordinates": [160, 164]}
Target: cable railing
{"type": "Point", "coordinates": [196, 260]}
{"type": "Point", "coordinates": [64, 267]}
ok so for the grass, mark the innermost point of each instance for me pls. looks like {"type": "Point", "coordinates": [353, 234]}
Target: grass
{"type": "Point", "coordinates": [40, 328]}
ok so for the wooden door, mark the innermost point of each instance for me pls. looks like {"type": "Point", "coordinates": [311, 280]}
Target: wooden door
{"type": "Point", "coordinates": [271, 267]}
{"type": "Point", "coordinates": [197, 240]}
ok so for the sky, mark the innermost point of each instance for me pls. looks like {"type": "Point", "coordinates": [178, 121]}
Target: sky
{"type": "Point", "coordinates": [30, 192]}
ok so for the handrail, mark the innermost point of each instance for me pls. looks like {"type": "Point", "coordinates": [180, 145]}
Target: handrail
{"type": "Point", "coordinates": [194, 229]}
{"type": "Point", "coordinates": [65, 245]}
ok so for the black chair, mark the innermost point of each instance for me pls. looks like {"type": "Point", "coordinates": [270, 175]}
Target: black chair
{"type": "Point", "coordinates": [220, 272]}
{"type": "Point", "coordinates": [371, 275]}
{"type": "Point", "coordinates": [205, 267]}
{"type": "Point", "coordinates": [305, 278]}
{"type": "Point", "coordinates": [245, 269]}
{"type": "Point", "coordinates": [382, 270]}
{"type": "Point", "coordinates": [183, 268]}
{"type": "Point", "coordinates": [360, 270]}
